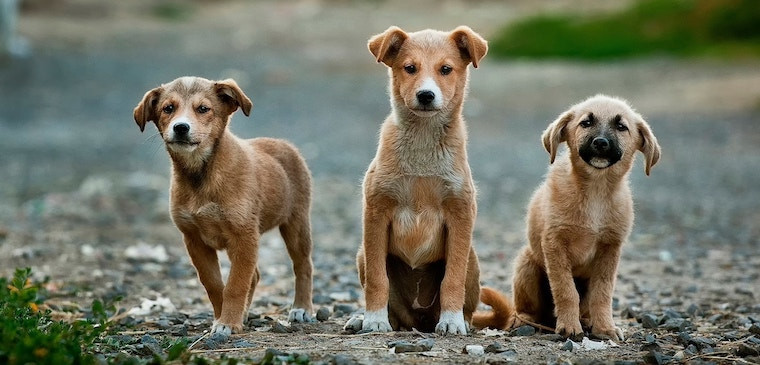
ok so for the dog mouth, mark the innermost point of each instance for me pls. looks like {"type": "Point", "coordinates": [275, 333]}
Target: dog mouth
{"type": "Point", "coordinates": [425, 111]}
{"type": "Point", "coordinates": [182, 144]}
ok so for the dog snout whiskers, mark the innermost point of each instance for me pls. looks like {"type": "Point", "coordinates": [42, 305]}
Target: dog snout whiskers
{"type": "Point", "coordinates": [425, 97]}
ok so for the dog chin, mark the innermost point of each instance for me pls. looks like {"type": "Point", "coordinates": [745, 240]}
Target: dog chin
{"type": "Point", "coordinates": [422, 113]}
{"type": "Point", "coordinates": [600, 162]}
{"type": "Point", "coordinates": [182, 147]}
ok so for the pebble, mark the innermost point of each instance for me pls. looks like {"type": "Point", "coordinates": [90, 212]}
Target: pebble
{"type": "Point", "coordinates": [214, 341]}
{"type": "Point", "coordinates": [649, 320]}
{"type": "Point", "coordinates": [655, 357]}
{"type": "Point", "coordinates": [754, 340]}
{"type": "Point", "coordinates": [754, 329]}
{"type": "Point", "coordinates": [693, 310]}
{"type": "Point", "coordinates": [421, 345]}
{"type": "Point", "coordinates": [242, 344]}
{"type": "Point", "coordinates": [676, 324]}
{"type": "Point", "coordinates": [569, 345]}
{"type": "Point", "coordinates": [495, 348]}
{"type": "Point", "coordinates": [474, 350]}
{"type": "Point", "coordinates": [525, 330]}
{"type": "Point", "coordinates": [149, 343]}
{"type": "Point", "coordinates": [278, 327]}
{"type": "Point", "coordinates": [178, 330]}
{"type": "Point", "coordinates": [342, 309]}
{"type": "Point", "coordinates": [702, 342]}
{"type": "Point", "coordinates": [322, 299]}
{"type": "Point", "coordinates": [744, 350]}
{"type": "Point", "coordinates": [323, 314]}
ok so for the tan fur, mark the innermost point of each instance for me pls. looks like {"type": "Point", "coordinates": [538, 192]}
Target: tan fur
{"type": "Point", "coordinates": [226, 192]}
{"type": "Point", "coordinates": [578, 220]}
{"type": "Point", "coordinates": [419, 197]}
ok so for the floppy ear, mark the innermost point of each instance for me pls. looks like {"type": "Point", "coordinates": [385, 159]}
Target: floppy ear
{"type": "Point", "coordinates": [471, 45]}
{"type": "Point", "coordinates": [145, 111]}
{"type": "Point", "coordinates": [554, 134]}
{"type": "Point", "coordinates": [385, 46]}
{"type": "Point", "coordinates": [231, 94]}
{"type": "Point", "coordinates": [649, 146]}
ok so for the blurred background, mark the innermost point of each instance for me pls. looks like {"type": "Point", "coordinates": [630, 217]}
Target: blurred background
{"type": "Point", "coordinates": [80, 186]}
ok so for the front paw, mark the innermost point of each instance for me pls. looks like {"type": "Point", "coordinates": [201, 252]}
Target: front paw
{"type": "Point", "coordinates": [299, 315]}
{"type": "Point", "coordinates": [376, 321]}
{"type": "Point", "coordinates": [225, 329]}
{"type": "Point", "coordinates": [569, 328]}
{"type": "Point", "coordinates": [451, 323]}
{"type": "Point", "coordinates": [608, 333]}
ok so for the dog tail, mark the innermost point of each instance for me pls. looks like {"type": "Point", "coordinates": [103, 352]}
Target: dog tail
{"type": "Point", "coordinates": [501, 310]}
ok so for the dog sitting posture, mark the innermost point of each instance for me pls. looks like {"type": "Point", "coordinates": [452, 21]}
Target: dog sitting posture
{"type": "Point", "coordinates": [226, 192]}
{"type": "Point", "coordinates": [580, 217]}
{"type": "Point", "coordinates": [416, 263]}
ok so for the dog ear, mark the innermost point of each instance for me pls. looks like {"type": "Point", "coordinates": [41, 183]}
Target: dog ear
{"type": "Point", "coordinates": [385, 46]}
{"type": "Point", "coordinates": [471, 45]}
{"type": "Point", "coordinates": [145, 111]}
{"type": "Point", "coordinates": [554, 134]}
{"type": "Point", "coordinates": [649, 146]}
{"type": "Point", "coordinates": [230, 93]}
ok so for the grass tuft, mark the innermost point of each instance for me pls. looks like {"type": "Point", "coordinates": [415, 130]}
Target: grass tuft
{"type": "Point", "coordinates": [722, 28]}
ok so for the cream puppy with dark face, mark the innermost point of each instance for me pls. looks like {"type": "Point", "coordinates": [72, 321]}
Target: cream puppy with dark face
{"type": "Point", "coordinates": [416, 264]}
{"type": "Point", "coordinates": [580, 217]}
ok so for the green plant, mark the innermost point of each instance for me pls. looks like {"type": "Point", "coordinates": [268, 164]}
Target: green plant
{"type": "Point", "coordinates": [678, 27]}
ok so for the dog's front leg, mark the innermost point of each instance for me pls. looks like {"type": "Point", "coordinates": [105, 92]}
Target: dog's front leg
{"type": "Point", "coordinates": [459, 216]}
{"type": "Point", "coordinates": [601, 287]}
{"type": "Point", "coordinates": [206, 264]}
{"type": "Point", "coordinates": [243, 254]}
{"type": "Point", "coordinates": [375, 241]}
{"type": "Point", "coordinates": [560, 273]}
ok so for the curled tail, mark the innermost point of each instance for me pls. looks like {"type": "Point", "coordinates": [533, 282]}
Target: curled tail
{"type": "Point", "coordinates": [501, 310]}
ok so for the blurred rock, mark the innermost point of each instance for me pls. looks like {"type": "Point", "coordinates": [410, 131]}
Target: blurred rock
{"type": "Point", "coordinates": [525, 330]}
{"type": "Point", "coordinates": [474, 350]}
{"type": "Point", "coordinates": [323, 314]}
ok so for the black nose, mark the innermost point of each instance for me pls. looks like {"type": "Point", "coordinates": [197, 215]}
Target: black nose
{"type": "Point", "coordinates": [181, 128]}
{"type": "Point", "coordinates": [601, 144]}
{"type": "Point", "coordinates": [425, 97]}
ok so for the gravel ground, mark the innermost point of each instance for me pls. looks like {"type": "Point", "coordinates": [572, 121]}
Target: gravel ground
{"type": "Point", "coordinates": [84, 195]}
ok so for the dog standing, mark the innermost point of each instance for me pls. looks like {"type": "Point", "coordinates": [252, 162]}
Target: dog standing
{"type": "Point", "coordinates": [417, 264]}
{"type": "Point", "coordinates": [580, 217]}
{"type": "Point", "coordinates": [226, 192]}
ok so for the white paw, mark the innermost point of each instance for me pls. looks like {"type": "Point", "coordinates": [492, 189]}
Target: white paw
{"type": "Point", "coordinates": [451, 323]}
{"type": "Point", "coordinates": [220, 329]}
{"type": "Point", "coordinates": [299, 315]}
{"type": "Point", "coordinates": [376, 321]}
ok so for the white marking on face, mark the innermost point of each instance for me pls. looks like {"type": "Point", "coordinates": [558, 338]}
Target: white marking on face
{"type": "Point", "coordinates": [181, 119]}
{"type": "Point", "coordinates": [429, 84]}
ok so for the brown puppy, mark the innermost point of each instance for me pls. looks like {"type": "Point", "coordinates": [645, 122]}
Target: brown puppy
{"type": "Point", "coordinates": [580, 217]}
{"type": "Point", "coordinates": [226, 192]}
{"type": "Point", "coordinates": [417, 264]}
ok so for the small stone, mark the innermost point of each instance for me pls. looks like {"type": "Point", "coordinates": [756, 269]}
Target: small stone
{"type": "Point", "coordinates": [568, 346]}
{"type": "Point", "coordinates": [650, 346]}
{"type": "Point", "coordinates": [744, 350]}
{"type": "Point", "coordinates": [474, 350]}
{"type": "Point", "coordinates": [649, 338]}
{"type": "Point", "coordinates": [322, 299]}
{"type": "Point", "coordinates": [754, 340]}
{"type": "Point", "coordinates": [495, 348]}
{"type": "Point", "coordinates": [683, 338]}
{"type": "Point", "coordinates": [670, 313]}
{"type": "Point", "coordinates": [649, 320]}
{"type": "Point", "coordinates": [701, 342]}
{"type": "Point", "coordinates": [163, 324]}
{"type": "Point", "coordinates": [278, 327]}
{"type": "Point", "coordinates": [151, 344]}
{"type": "Point", "coordinates": [178, 330]}
{"type": "Point", "coordinates": [676, 324]}
{"type": "Point", "coordinates": [422, 345]}
{"type": "Point", "coordinates": [323, 314]}
{"type": "Point", "coordinates": [342, 309]}
{"type": "Point", "coordinates": [754, 329]}
{"type": "Point", "coordinates": [655, 357]}
{"type": "Point", "coordinates": [242, 344]}
{"type": "Point", "coordinates": [693, 310]}
{"type": "Point", "coordinates": [525, 330]}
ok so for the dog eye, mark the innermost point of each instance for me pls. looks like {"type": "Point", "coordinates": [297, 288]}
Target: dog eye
{"type": "Point", "coordinates": [446, 69]}
{"type": "Point", "coordinates": [621, 127]}
{"type": "Point", "coordinates": [169, 109]}
{"type": "Point", "coordinates": [203, 109]}
{"type": "Point", "coordinates": [410, 69]}
{"type": "Point", "coordinates": [587, 123]}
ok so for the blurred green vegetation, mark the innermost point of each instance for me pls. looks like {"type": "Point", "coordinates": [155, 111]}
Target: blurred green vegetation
{"type": "Point", "coordinates": [716, 28]}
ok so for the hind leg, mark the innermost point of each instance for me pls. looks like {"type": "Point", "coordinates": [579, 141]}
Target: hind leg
{"type": "Point", "coordinates": [527, 290]}
{"type": "Point", "coordinates": [256, 276]}
{"type": "Point", "coordinates": [297, 236]}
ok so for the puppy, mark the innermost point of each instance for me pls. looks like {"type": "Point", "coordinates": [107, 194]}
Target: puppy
{"type": "Point", "coordinates": [417, 264]}
{"type": "Point", "coordinates": [226, 192]}
{"type": "Point", "coordinates": [579, 218]}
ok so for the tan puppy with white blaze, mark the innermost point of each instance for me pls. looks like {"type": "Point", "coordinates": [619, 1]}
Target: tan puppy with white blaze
{"type": "Point", "coordinates": [580, 217]}
{"type": "Point", "coordinates": [417, 264]}
{"type": "Point", "coordinates": [226, 192]}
